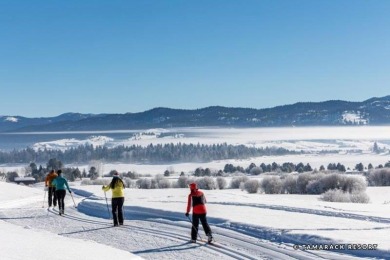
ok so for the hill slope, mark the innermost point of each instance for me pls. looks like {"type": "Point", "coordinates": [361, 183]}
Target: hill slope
{"type": "Point", "coordinates": [374, 111]}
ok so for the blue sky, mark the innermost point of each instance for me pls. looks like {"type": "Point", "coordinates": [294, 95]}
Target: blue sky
{"type": "Point", "coordinates": [130, 56]}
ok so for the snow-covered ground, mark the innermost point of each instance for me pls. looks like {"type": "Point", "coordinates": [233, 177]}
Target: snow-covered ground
{"type": "Point", "coordinates": [292, 138]}
{"type": "Point", "coordinates": [315, 160]}
{"type": "Point", "coordinates": [352, 145]}
{"type": "Point", "coordinates": [25, 241]}
{"type": "Point", "coordinates": [245, 226]}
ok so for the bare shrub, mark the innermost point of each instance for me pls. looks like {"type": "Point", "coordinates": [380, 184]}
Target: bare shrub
{"type": "Point", "coordinates": [182, 182]}
{"type": "Point", "coordinates": [320, 183]}
{"type": "Point", "coordinates": [95, 182]}
{"type": "Point", "coordinates": [206, 183]}
{"type": "Point", "coordinates": [271, 185]}
{"type": "Point", "coordinates": [221, 183]}
{"type": "Point", "coordinates": [335, 195]}
{"type": "Point", "coordinates": [242, 186]}
{"type": "Point", "coordinates": [359, 197]}
{"type": "Point", "coordinates": [86, 182]}
{"type": "Point", "coordinates": [251, 186]}
{"type": "Point", "coordinates": [303, 180]}
{"type": "Point", "coordinates": [290, 185]}
{"type": "Point", "coordinates": [315, 187]}
{"type": "Point", "coordinates": [144, 183]}
{"type": "Point", "coordinates": [236, 181]}
{"type": "Point", "coordinates": [338, 195]}
{"type": "Point", "coordinates": [129, 183]}
{"type": "Point", "coordinates": [256, 170]}
{"type": "Point", "coordinates": [131, 175]}
{"type": "Point", "coordinates": [343, 182]}
{"type": "Point", "coordinates": [158, 177]}
{"type": "Point", "coordinates": [154, 183]}
{"type": "Point", "coordinates": [354, 184]}
{"type": "Point", "coordinates": [379, 177]}
{"type": "Point", "coordinates": [333, 181]}
{"type": "Point", "coordinates": [164, 184]}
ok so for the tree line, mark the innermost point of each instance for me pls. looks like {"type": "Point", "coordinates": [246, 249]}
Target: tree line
{"type": "Point", "coordinates": [39, 172]}
{"type": "Point", "coordinates": [153, 153]}
{"type": "Point", "coordinates": [286, 167]}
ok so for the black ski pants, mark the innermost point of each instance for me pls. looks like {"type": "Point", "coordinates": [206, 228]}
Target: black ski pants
{"type": "Point", "coordinates": [117, 210]}
{"type": "Point", "coordinates": [195, 225]}
{"type": "Point", "coordinates": [61, 196]}
{"type": "Point", "coordinates": [52, 199]}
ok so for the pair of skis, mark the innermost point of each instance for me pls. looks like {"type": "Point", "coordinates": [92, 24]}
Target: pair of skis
{"type": "Point", "coordinates": [52, 210]}
{"type": "Point", "coordinates": [212, 243]}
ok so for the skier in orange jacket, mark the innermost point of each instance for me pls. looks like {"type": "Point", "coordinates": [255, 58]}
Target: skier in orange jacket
{"type": "Point", "coordinates": [197, 200]}
{"type": "Point", "coordinates": [52, 199]}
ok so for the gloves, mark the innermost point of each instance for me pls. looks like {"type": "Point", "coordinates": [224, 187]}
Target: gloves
{"type": "Point", "coordinates": [187, 214]}
{"type": "Point", "coordinates": [103, 187]}
{"type": "Point", "coordinates": [70, 191]}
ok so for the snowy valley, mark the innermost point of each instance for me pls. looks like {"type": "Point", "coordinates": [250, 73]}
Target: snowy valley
{"type": "Point", "coordinates": [246, 225]}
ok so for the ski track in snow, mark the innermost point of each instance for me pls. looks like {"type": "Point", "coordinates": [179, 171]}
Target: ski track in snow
{"type": "Point", "coordinates": [311, 211]}
{"type": "Point", "coordinates": [153, 237]}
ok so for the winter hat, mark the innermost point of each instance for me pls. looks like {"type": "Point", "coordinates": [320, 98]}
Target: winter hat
{"type": "Point", "coordinates": [115, 173]}
{"type": "Point", "coordinates": [193, 186]}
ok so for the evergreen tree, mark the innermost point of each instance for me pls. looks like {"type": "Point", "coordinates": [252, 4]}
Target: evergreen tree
{"type": "Point", "coordinates": [54, 164]}
{"type": "Point", "coordinates": [252, 165]}
{"type": "Point", "coordinates": [340, 167]}
{"type": "Point", "coordinates": [93, 174]}
{"type": "Point", "coordinates": [299, 167]}
{"type": "Point", "coordinates": [307, 168]}
{"type": "Point", "coordinates": [84, 174]}
{"type": "Point", "coordinates": [359, 167]}
{"type": "Point", "coordinates": [34, 168]}
{"type": "Point", "coordinates": [375, 148]}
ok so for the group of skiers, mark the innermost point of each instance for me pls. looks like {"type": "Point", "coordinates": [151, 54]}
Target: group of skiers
{"type": "Point", "coordinates": [56, 185]}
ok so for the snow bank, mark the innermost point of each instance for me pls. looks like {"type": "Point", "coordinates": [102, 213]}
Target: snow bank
{"type": "Point", "coordinates": [26, 243]}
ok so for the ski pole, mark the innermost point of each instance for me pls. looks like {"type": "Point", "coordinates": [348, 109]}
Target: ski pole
{"type": "Point", "coordinates": [109, 215]}
{"type": "Point", "coordinates": [123, 213]}
{"type": "Point", "coordinates": [73, 200]}
{"type": "Point", "coordinates": [44, 196]}
{"type": "Point", "coordinates": [197, 232]}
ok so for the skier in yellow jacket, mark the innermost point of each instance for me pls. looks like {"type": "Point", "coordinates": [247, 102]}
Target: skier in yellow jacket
{"type": "Point", "coordinates": [118, 198]}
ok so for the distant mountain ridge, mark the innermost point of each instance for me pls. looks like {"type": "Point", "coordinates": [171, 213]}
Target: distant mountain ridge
{"type": "Point", "coordinates": [374, 111]}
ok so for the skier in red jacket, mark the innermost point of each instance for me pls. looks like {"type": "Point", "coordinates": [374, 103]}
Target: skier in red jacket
{"type": "Point", "coordinates": [198, 201]}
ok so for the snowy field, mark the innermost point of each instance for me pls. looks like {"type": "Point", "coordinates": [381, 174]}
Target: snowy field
{"type": "Point", "coordinates": [245, 226]}
{"type": "Point", "coordinates": [353, 145]}
{"type": "Point", "coordinates": [293, 138]}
